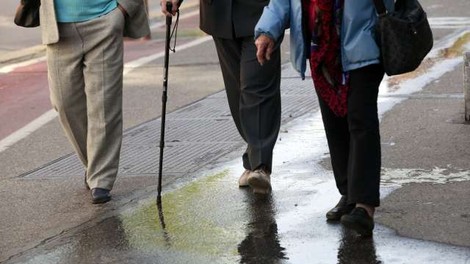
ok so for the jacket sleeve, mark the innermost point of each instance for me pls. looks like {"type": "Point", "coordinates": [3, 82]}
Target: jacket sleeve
{"type": "Point", "coordinates": [274, 20]}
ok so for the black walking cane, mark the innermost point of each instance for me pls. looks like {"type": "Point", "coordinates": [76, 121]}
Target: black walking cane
{"type": "Point", "coordinates": [164, 93]}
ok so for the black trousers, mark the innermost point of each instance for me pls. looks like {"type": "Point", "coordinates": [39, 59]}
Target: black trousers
{"type": "Point", "coordinates": [253, 93]}
{"type": "Point", "coordinates": [354, 140]}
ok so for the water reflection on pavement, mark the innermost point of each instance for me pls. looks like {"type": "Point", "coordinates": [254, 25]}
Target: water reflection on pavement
{"type": "Point", "coordinates": [261, 244]}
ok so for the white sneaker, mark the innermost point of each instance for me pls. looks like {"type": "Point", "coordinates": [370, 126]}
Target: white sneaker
{"type": "Point", "coordinates": [260, 182]}
{"type": "Point", "coordinates": [243, 181]}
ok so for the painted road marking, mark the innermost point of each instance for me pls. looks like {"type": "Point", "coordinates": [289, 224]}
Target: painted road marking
{"type": "Point", "coordinates": [14, 66]}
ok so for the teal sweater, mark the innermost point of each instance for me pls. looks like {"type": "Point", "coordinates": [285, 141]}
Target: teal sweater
{"type": "Point", "coordinates": [82, 10]}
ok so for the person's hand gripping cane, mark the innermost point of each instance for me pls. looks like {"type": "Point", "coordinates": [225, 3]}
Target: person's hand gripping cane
{"type": "Point", "coordinates": [174, 7]}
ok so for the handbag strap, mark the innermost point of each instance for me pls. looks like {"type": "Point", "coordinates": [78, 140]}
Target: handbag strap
{"type": "Point", "coordinates": [380, 7]}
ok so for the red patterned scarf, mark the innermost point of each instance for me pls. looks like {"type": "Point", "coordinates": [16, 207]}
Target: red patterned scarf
{"type": "Point", "coordinates": [323, 20]}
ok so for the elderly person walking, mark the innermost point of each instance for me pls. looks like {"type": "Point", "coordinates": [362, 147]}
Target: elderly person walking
{"type": "Point", "coordinates": [84, 41]}
{"type": "Point", "coordinates": [253, 92]}
{"type": "Point", "coordinates": [337, 37]}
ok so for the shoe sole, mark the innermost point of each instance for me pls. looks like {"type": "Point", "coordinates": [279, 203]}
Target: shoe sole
{"type": "Point", "coordinates": [259, 186]}
{"type": "Point", "coordinates": [243, 185]}
{"type": "Point", "coordinates": [101, 200]}
{"type": "Point", "coordinates": [360, 229]}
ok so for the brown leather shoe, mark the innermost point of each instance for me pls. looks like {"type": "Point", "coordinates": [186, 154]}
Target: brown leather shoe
{"type": "Point", "coordinates": [340, 209]}
{"type": "Point", "coordinates": [243, 181]}
{"type": "Point", "coordinates": [259, 180]}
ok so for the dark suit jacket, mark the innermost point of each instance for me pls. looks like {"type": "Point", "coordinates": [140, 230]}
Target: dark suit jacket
{"type": "Point", "coordinates": [230, 18]}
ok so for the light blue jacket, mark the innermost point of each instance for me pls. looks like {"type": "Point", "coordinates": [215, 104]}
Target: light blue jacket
{"type": "Point", "coordinates": [358, 44]}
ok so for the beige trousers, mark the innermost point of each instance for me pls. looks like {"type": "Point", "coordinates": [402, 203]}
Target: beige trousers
{"type": "Point", "coordinates": [85, 71]}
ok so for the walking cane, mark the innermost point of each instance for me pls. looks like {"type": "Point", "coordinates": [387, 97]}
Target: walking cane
{"type": "Point", "coordinates": [164, 95]}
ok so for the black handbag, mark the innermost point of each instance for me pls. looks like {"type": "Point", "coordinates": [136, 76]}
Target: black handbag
{"type": "Point", "coordinates": [404, 36]}
{"type": "Point", "coordinates": [27, 13]}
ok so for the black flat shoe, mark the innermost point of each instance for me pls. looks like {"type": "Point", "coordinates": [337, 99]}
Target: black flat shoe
{"type": "Point", "coordinates": [359, 221]}
{"type": "Point", "coordinates": [100, 195]}
{"type": "Point", "coordinates": [340, 209]}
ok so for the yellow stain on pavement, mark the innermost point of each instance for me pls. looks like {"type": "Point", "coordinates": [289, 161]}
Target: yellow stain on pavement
{"type": "Point", "coordinates": [201, 219]}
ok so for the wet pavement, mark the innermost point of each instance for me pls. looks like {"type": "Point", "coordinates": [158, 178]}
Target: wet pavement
{"type": "Point", "coordinates": [210, 220]}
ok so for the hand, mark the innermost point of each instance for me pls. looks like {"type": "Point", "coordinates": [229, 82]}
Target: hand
{"type": "Point", "coordinates": [264, 45]}
{"type": "Point", "coordinates": [174, 6]}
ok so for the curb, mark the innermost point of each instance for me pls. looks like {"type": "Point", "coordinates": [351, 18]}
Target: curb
{"type": "Point", "coordinates": [22, 55]}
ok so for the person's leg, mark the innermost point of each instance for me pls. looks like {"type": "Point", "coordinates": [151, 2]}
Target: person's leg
{"type": "Point", "coordinates": [229, 52]}
{"type": "Point", "coordinates": [337, 134]}
{"type": "Point", "coordinates": [260, 112]}
{"type": "Point", "coordinates": [103, 85]}
{"type": "Point", "coordinates": [364, 154]}
{"type": "Point", "coordinates": [67, 87]}
{"type": "Point", "coordinates": [260, 104]}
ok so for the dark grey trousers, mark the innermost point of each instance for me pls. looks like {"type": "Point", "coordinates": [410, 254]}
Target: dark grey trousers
{"type": "Point", "coordinates": [254, 98]}
{"type": "Point", "coordinates": [354, 140]}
